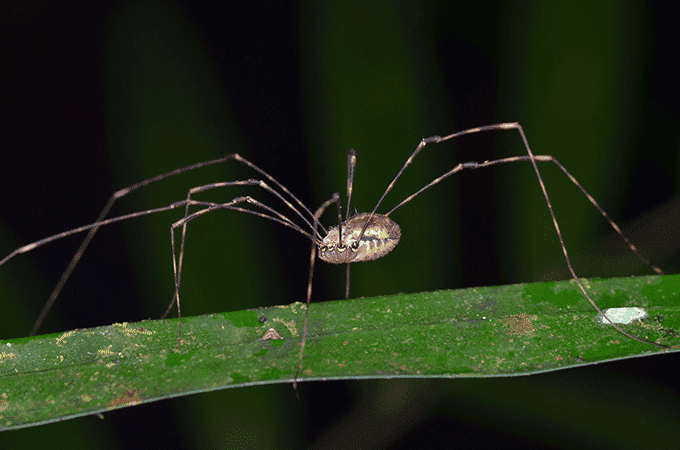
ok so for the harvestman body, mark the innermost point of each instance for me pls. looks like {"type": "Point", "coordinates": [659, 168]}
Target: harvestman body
{"type": "Point", "coordinates": [361, 237]}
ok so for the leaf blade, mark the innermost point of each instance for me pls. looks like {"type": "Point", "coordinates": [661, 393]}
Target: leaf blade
{"type": "Point", "coordinates": [479, 332]}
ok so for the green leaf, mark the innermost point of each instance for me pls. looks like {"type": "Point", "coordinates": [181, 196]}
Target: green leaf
{"type": "Point", "coordinates": [481, 332]}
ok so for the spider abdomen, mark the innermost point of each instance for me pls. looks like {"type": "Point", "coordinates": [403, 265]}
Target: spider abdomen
{"type": "Point", "coordinates": [381, 236]}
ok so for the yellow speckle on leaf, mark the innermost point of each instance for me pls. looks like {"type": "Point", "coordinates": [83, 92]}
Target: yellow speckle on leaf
{"type": "Point", "coordinates": [519, 325]}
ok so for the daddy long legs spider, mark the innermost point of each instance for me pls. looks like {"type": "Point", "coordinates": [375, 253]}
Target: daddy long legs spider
{"type": "Point", "coordinates": [358, 237]}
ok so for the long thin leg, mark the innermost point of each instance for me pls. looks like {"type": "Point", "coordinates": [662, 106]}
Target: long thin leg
{"type": "Point", "coordinates": [231, 205]}
{"type": "Point", "coordinates": [210, 207]}
{"type": "Point", "coordinates": [272, 215]}
{"type": "Point", "coordinates": [102, 215]}
{"type": "Point", "coordinates": [351, 166]}
{"type": "Point", "coordinates": [534, 159]}
{"type": "Point", "coordinates": [187, 217]}
{"type": "Point", "coordinates": [123, 192]}
{"type": "Point", "coordinates": [531, 157]}
{"type": "Point", "coordinates": [518, 127]}
{"type": "Point", "coordinates": [177, 266]}
{"type": "Point", "coordinates": [312, 259]}
{"type": "Point", "coordinates": [47, 240]}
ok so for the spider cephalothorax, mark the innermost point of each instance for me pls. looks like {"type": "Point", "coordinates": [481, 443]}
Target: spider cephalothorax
{"type": "Point", "coordinates": [380, 237]}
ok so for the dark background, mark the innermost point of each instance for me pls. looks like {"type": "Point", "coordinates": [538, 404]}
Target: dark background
{"type": "Point", "coordinates": [95, 98]}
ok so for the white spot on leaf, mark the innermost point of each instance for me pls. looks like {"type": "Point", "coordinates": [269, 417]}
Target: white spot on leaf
{"type": "Point", "coordinates": [624, 315]}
